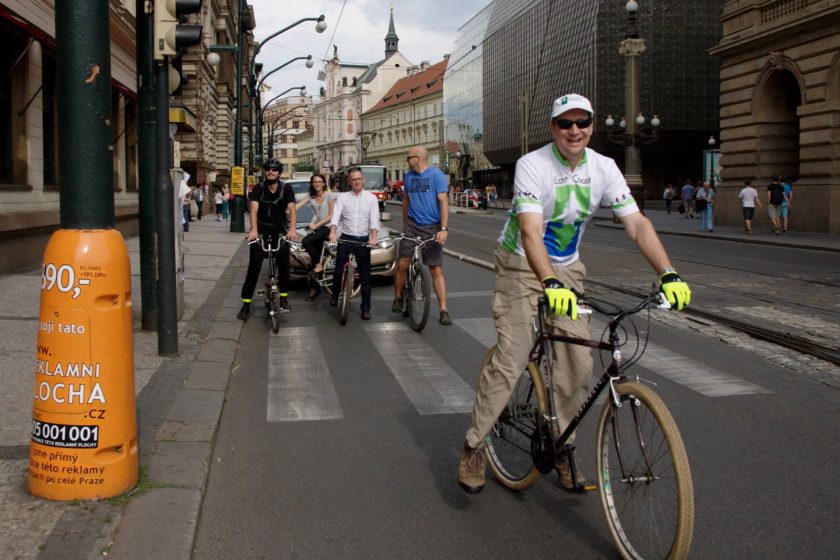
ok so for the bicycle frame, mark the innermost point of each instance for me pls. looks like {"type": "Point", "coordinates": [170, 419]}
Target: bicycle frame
{"type": "Point", "coordinates": [540, 354]}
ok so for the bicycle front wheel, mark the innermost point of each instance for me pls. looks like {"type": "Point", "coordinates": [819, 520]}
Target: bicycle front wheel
{"type": "Point", "coordinates": [646, 488]}
{"type": "Point", "coordinates": [346, 293]}
{"type": "Point", "coordinates": [419, 298]}
{"type": "Point", "coordinates": [510, 441]}
{"type": "Point", "coordinates": [275, 312]}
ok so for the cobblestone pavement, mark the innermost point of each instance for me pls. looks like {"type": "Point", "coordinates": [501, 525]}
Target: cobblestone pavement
{"type": "Point", "coordinates": [32, 527]}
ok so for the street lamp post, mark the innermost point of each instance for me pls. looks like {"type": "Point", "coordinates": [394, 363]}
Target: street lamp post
{"type": "Point", "coordinates": [635, 129]}
{"type": "Point", "coordinates": [712, 151]}
{"type": "Point", "coordinates": [237, 220]}
{"type": "Point", "coordinates": [261, 110]}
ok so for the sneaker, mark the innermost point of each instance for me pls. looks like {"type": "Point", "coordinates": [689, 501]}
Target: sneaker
{"type": "Point", "coordinates": [397, 305]}
{"type": "Point", "coordinates": [284, 305]}
{"type": "Point", "coordinates": [244, 312]}
{"type": "Point", "coordinates": [445, 319]}
{"type": "Point", "coordinates": [564, 472]}
{"type": "Point", "coordinates": [471, 469]}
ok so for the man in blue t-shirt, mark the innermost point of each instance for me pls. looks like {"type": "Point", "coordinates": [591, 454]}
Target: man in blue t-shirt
{"type": "Point", "coordinates": [425, 210]}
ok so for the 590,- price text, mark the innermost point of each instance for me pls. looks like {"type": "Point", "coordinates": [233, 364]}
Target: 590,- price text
{"type": "Point", "coordinates": [61, 435]}
{"type": "Point", "coordinates": [62, 278]}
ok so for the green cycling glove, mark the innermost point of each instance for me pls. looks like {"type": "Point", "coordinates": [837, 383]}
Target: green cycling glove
{"type": "Point", "coordinates": [677, 291]}
{"type": "Point", "coordinates": [561, 300]}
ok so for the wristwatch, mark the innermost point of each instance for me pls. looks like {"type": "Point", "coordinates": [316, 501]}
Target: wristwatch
{"type": "Point", "coordinates": [444, 228]}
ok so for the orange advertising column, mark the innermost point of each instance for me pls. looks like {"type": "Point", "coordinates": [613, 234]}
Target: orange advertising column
{"type": "Point", "coordinates": [84, 427]}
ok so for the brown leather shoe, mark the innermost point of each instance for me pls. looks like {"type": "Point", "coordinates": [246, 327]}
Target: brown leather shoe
{"type": "Point", "coordinates": [471, 469]}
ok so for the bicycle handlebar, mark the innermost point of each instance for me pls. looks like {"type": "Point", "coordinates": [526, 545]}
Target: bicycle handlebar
{"type": "Point", "coordinates": [262, 240]}
{"type": "Point", "coordinates": [616, 311]}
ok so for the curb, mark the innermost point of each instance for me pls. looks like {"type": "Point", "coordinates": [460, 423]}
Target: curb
{"type": "Point", "coordinates": [178, 447]}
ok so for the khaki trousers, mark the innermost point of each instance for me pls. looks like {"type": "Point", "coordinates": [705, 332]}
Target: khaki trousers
{"type": "Point", "coordinates": [514, 303]}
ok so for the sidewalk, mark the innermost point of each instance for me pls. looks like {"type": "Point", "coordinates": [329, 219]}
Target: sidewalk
{"type": "Point", "coordinates": [676, 224]}
{"type": "Point", "coordinates": [179, 401]}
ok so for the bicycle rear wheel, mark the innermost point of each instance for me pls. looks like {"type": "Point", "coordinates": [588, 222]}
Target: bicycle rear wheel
{"type": "Point", "coordinates": [418, 298]}
{"type": "Point", "coordinates": [646, 488]}
{"type": "Point", "coordinates": [509, 443]}
{"type": "Point", "coordinates": [346, 293]}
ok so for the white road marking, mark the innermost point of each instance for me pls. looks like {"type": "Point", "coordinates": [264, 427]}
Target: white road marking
{"type": "Point", "coordinates": [429, 383]}
{"type": "Point", "coordinates": [299, 383]}
{"type": "Point", "coordinates": [706, 380]}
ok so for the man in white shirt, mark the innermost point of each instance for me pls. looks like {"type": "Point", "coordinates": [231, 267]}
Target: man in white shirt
{"type": "Point", "coordinates": [357, 214]}
{"type": "Point", "coordinates": [749, 199]}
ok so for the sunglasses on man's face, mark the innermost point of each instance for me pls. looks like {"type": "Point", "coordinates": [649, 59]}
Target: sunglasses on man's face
{"type": "Point", "coordinates": [275, 169]}
{"type": "Point", "coordinates": [566, 124]}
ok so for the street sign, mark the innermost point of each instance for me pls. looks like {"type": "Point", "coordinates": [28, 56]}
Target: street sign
{"type": "Point", "coordinates": [237, 181]}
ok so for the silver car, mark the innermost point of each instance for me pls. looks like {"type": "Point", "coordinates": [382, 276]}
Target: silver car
{"type": "Point", "coordinates": [383, 258]}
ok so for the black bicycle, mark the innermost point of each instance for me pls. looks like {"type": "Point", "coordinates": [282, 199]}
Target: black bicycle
{"type": "Point", "coordinates": [272, 292]}
{"type": "Point", "coordinates": [350, 283]}
{"type": "Point", "coordinates": [417, 288]}
{"type": "Point", "coordinates": [643, 472]}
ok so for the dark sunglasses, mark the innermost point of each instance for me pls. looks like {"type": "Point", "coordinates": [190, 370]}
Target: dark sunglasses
{"type": "Point", "coordinates": [277, 169]}
{"type": "Point", "coordinates": [566, 124]}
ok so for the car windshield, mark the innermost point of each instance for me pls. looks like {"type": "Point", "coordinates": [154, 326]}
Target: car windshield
{"type": "Point", "coordinates": [304, 215]}
{"type": "Point", "coordinates": [300, 187]}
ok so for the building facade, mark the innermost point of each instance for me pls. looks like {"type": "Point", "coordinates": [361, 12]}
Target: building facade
{"type": "Point", "coordinates": [780, 101]}
{"type": "Point", "coordinates": [284, 121]}
{"type": "Point", "coordinates": [529, 58]}
{"type": "Point", "coordinates": [409, 114]}
{"type": "Point", "coordinates": [349, 90]}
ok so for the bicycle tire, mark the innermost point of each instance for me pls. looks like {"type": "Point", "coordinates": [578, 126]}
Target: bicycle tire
{"type": "Point", "coordinates": [275, 312]}
{"type": "Point", "coordinates": [638, 509]}
{"type": "Point", "coordinates": [419, 298]}
{"type": "Point", "coordinates": [508, 448]}
{"type": "Point", "coordinates": [346, 294]}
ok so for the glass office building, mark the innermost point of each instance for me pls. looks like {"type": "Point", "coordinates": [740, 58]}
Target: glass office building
{"type": "Point", "coordinates": [533, 51]}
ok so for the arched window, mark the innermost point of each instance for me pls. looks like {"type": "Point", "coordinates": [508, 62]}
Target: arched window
{"type": "Point", "coordinates": [344, 81]}
{"type": "Point", "coordinates": [355, 81]}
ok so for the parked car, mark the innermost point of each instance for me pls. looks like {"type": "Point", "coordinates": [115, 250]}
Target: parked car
{"type": "Point", "coordinates": [383, 258]}
{"type": "Point", "coordinates": [476, 198]}
{"type": "Point", "coordinates": [300, 186]}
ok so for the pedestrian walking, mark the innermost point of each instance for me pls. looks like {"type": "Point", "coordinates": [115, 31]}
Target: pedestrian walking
{"type": "Point", "coordinates": [749, 200]}
{"type": "Point", "coordinates": [668, 195]}
{"type": "Point", "coordinates": [775, 198]}
{"type": "Point", "coordinates": [219, 200]}
{"type": "Point", "coordinates": [787, 205]}
{"type": "Point", "coordinates": [225, 199]}
{"type": "Point", "coordinates": [199, 200]}
{"type": "Point", "coordinates": [687, 196]}
{"type": "Point", "coordinates": [703, 205]}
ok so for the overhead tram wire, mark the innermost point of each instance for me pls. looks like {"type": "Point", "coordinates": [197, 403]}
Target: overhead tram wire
{"type": "Point", "coordinates": [335, 29]}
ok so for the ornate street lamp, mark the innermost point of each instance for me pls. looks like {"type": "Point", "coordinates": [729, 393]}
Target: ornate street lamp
{"type": "Point", "coordinates": [635, 131]}
{"type": "Point", "coordinates": [712, 151]}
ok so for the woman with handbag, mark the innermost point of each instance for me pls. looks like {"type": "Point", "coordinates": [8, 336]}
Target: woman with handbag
{"type": "Point", "coordinates": [703, 202]}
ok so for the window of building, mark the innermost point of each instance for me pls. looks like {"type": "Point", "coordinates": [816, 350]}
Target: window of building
{"type": "Point", "coordinates": [50, 114]}
{"type": "Point", "coordinates": [344, 81]}
{"type": "Point", "coordinates": [284, 152]}
{"type": "Point", "coordinates": [13, 66]}
{"type": "Point", "coordinates": [295, 124]}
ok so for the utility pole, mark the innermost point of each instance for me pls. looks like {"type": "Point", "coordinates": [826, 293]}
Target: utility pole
{"type": "Point", "coordinates": [237, 208]}
{"type": "Point", "coordinates": [146, 166]}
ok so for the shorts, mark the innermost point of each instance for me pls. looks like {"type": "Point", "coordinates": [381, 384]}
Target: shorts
{"type": "Point", "coordinates": [432, 252]}
{"type": "Point", "coordinates": [783, 212]}
{"type": "Point", "coordinates": [749, 212]}
{"type": "Point", "coordinates": [774, 210]}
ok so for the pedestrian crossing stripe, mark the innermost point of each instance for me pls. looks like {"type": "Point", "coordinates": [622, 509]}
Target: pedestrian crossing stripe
{"type": "Point", "coordinates": [426, 379]}
{"type": "Point", "coordinates": [699, 377]}
{"type": "Point", "coordinates": [299, 384]}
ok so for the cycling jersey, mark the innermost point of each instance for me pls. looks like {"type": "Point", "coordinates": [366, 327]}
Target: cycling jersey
{"type": "Point", "coordinates": [545, 183]}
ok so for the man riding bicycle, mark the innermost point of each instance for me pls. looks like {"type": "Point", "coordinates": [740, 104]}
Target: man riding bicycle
{"type": "Point", "coordinates": [269, 203]}
{"type": "Point", "coordinates": [557, 189]}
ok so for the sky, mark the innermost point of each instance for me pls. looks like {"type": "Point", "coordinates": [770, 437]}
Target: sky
{"type": "Point", "coordinates": [426, 30]}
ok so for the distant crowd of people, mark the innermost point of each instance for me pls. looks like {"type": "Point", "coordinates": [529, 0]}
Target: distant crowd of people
{"type": "Point", "coordinates": [699, 202]}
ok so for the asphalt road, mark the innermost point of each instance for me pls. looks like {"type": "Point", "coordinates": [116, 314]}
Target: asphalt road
{"type": "Point", "coordinates": [360, 461]}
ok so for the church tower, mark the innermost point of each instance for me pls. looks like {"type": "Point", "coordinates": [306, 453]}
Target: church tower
{"type": "Point", "coordinates": [391, 39]}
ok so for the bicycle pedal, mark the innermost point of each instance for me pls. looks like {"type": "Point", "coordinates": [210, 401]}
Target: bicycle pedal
{"type": "Point", "coordinates": [260, 292]}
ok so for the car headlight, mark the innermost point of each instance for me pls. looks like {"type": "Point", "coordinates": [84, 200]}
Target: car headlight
{"type": "Point", "coordinates": [386, 243]}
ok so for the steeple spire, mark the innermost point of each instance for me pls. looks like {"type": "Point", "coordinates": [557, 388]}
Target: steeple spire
{"type": "Point", "coordinates": [391, 39]}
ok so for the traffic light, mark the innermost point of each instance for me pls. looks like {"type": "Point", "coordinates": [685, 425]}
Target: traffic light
{"type": "Point", "coordinates": [170, 34]}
